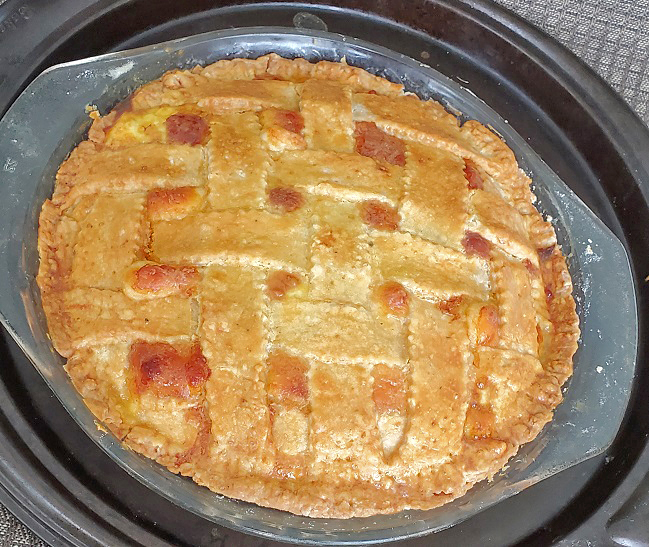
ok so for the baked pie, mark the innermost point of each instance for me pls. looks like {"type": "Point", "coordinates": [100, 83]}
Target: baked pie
{"type": "Point", "coordinates": [306, 288]}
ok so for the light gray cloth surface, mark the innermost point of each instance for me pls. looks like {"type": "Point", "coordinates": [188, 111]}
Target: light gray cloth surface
{"type": "Point", "coordinates": [14, 534]}
{"type": "Point", "coordinates": [612, 36]}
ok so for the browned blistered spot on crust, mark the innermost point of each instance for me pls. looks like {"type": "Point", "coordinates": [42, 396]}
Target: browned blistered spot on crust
{"type": "Point", "coordinates": [167, 370]}
{"type": "Point", "coordinates": [377, 144]}
{"type": "Point", "coordinates": [187, 129]}
{"type": "Point", "coordinates": [287, 199]}
{"type": "Point", "coordinates": [281, 282]}
{"type": "Point", "coordinates": [290, 120]}
{"type": "Point", "coordinates": [480, 421]}
{"type": "Point", "coordinates": [157, 277]}
{"type": "Point", "coordinates": [487, 327]}
{"type": "Point", "coordinates": [287, 382]}
{"type": "Point", "coordinates": [545, 253]}
{"type": "Point", "coordinates": [451, 306]}
{"type": "Point", "coordinates": [327, 238]}
{"type": "Point", "coordinates": [378, 215]}
{"type": "Point", "coordinates": [475, 244]}
{"type": "Point", "coordinates": [472, 175]}
{"type": "Point", "coordinates": [531, 268]}
{"type": "Point", "coordinates": [161, 200]}
{"type": "Point", "coordinates": [389, 393]}
{"type": "Point", "coordinates": [549, 295]}
{"type": "Point", "coordinates": [394, 298]}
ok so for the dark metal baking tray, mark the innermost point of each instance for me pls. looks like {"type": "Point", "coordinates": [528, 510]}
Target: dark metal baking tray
{"type": "Point", "coordinates": [49, 117]}
{"type": "Point", "coordinates": [69, 492]}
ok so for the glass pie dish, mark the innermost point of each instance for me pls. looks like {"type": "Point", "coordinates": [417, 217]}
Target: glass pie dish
{"type": "Point", "coordinates": [48, 120]}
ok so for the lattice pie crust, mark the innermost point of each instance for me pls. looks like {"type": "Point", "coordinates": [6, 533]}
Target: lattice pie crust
{"type": "Point", "coordinates": [305, 288]}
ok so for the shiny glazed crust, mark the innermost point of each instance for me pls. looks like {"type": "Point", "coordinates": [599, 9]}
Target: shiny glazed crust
{"type": "Point", "coordinates": [351, 310]}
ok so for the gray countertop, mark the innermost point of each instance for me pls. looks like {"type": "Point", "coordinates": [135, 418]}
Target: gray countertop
{"type": "Point", "coordinates": [611, 36]}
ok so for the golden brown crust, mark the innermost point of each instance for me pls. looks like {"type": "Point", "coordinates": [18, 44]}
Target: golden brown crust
{"type": "Point", "coordinates": [417, 265]}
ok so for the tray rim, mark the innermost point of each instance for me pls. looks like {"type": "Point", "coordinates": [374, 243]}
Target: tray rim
{"type": "Point", "coordinates": [75, 69]}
